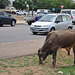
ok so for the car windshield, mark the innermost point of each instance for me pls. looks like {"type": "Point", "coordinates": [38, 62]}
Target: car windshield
{"type": "Point", "coordinates": [40, 14]}
{"type": "Point", "coordinates": [67, 12]}
{"type": "Point", "coordinates": [48, 18]}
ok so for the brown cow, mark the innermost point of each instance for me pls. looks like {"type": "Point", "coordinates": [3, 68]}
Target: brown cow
{"type": "Point", "coordinates": [54, 41]}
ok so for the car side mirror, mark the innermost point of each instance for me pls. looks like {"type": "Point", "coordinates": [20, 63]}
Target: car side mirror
{"type": "Point", "coordinates": [57, 21]}
{"type": "Point", "coordinates": [9, 15]}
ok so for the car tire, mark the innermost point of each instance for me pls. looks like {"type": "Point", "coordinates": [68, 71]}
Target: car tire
{"type": "Point", "coordinates": [1, 25]}
{"type": "Point", "coordinates": [13, 23]}
{"type": "Point", "coordinates": [17, 14]}
{"type": "Point", "coordinates": [34, 32]}
{"type": "Point", "coordinates": [24, 13]}
{"type": "Point", "coordinates": [52, 29]}
{"type": "Point", "coordinates": [69, 27]}
{"type": "Point", "coordinates": [29, 23]}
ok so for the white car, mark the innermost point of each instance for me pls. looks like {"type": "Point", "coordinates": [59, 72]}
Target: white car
{"type": "Point", "coordinates": [70, 12]}
{"type": "Point", "coordinates": [21, 12]}
{"type": "Point", "coordinates": [51, 22]}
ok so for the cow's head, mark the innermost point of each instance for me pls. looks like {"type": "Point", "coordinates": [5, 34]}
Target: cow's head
{"type": "Point", "coordinates": [43, 52]}
{"type": "Point", "coordinates": [41, 56]}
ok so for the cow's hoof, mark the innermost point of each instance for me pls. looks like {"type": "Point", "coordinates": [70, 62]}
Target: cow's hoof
{"type": "Point", "coordinates": [53, 66]}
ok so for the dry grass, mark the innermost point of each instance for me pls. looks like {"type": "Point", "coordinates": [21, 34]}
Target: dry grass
{"type": "Point", "coordinates": [28, 65]}
{"type": "Point", "coordinates": [19, 17]}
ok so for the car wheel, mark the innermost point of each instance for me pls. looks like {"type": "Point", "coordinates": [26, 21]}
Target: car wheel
{"type": "Point", "coordinates": [13, 23]}
{"type": "Point", "coordinates": [17, 14]}
{"type": "Point", "coordinates": [69, 27]}
{"type": "Point", "coordinates": [29, 23]}
{"type": "Point", "coordinates": [1, 25]}
{"type": "Point", "coordinates": [34, 32]}
{"type": "Point", "coordinates": [24, 13]}
{"type": "Point", "coordinates": [52, 29]}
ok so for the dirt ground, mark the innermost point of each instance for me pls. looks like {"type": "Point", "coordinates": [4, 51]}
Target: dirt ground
{"type": "Point", "coordinates": [28, 65]}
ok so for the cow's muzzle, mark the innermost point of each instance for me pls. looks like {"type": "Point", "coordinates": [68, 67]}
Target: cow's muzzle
{"type": "Point", "coordinates": [40, 60]}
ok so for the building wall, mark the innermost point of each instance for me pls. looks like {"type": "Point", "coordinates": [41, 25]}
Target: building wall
{"type": "Point", "coordinates": [73, 1]}
{"type": "Point", "coordinates": [11, 2]}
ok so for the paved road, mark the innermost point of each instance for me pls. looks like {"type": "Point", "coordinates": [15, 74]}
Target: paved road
{"type": "Point", "coordinates": [10, 34]}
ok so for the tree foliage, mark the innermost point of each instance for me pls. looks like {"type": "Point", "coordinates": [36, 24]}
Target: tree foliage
{"type": "Point", "coordinates": [44, 4]}
{"type": "Point", "coordinates": [19, 4]}
{"type": "Point", "coordinates": [4, 3]}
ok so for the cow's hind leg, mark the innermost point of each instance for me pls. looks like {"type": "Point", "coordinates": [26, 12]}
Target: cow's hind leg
{"type": "Point", "coordinates": [69, 52]}
{"type": "Point", "coordinates": [74, 53]}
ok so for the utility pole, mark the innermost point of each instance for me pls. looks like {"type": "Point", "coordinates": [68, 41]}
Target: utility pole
{"type": "Point", "coordinates": [32, 6]}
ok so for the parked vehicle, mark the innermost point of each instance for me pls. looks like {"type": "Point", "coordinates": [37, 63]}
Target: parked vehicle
{"type": "Point", "coordinates": [71, 12]}
{"type": "Point", "coordinates": [35, 18]}
{"type": "Point", "coordinates": [34, 13]}
{"type": "Point", "coordinates": [11, 10]}
{"type": "Point", "coordinates": [21, 12]}
{"type": "Point", "coordinates": [51, 22]}
{"type": "Point", "coordinates": [43, 10]}
{"type": "Point", "coordinates": [5, 18]}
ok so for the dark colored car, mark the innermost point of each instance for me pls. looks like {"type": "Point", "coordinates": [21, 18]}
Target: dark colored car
{"type": "Point", "coordinates": [38, 16]}
{"type": "Point", "coordinates": [5, 18]}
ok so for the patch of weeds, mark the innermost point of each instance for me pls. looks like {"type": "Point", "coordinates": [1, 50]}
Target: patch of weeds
{"type": "Point", "coordinates": [4, 60]}
{"type": "Point", "coordinates": [49, 73]}
{"type": "Point", "coordinates": [0, 64]}
{"type": "Point", "coordinates": [69, 61]}
{"type": "Point", "coordinates": [1, 71]}
{"type": "Point", "coordinates": [12, 62]}
{"type": "Point", "coordinates": [12, 66]}
{"type": "Point", "coordinates": [5, 66]}
{"type": "Point", "coordinates": [34, 60]}
{"type": "Point", "coordinates": [58, 59]}
{"type": "Point", "coordinates": [68, 70]}
{"type": "Point", "coordinates": [19, 60]}
{"type": "Point", "coordinates": [17, 63]}
{"type": "Point", "coordinates": [29, 73]}
{"type": "Point", "coordinates": [8, 71]}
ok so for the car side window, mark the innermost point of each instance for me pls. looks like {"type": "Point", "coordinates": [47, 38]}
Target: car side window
{"type": "Point", "coordinates": [68, 18]}
{"type": "Point", "coordinates": [5, 14]}
{"type": "Point", "coordinates": [1, 13]}
{"type": "Point", "coordinates": [73, 12]}
{"type": "Point", "coordinates": [59, 18]}
{"type": "Point", "coordinates": [64, 18]}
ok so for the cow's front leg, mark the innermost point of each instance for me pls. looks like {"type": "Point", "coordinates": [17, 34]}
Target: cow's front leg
{"type": "Point", "coordinates": [54, 57]}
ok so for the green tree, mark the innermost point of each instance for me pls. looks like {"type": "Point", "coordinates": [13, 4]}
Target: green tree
{"type": "Point", "coordinates": [44, 4]}
{"type": "Point", "coordinates": [49, 4]}
{"type": "Point", "coordinates": [19, 4]}
{"type": "Point", "coordinates": [4, 3]}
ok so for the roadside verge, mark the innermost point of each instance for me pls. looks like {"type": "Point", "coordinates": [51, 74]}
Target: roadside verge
{"type": "Point", "coordinates": [15, 49]}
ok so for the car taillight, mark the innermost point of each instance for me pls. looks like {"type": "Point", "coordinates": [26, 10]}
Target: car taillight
{"type": "Point", "coordinates": [34, 19]}
{"type": "Point", "coordinates": [71, 17]}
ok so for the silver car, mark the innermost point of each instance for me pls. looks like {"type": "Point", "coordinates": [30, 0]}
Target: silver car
{"type": "Point", "coordinates": [51, 22]}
